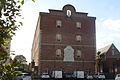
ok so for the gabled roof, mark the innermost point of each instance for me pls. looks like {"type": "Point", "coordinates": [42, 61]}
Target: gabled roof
{"type": "Point", "coordinates": [104, 49]}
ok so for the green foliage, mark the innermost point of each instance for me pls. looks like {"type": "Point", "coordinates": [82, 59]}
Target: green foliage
{"type": "Point", "coordinates": [33, 0]}
{"type": "Point", "coordinates": [8, 71]}
{"type": "Point", "coordinates": [99, 59]}
{"type": "Point", "coordinates": [22, 1]}
{"type": "Point", "coordinates": [9, 13]}
{"type": "Point", "coordinates": [20, 58]}
{"type": "Point", "coordinates": [9, 23]}
{"type": "Point", "coordinates": [8, 68]}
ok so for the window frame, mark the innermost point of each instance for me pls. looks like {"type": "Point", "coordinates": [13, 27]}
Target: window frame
{"type": "Point", "coordinates": [58, 52]}
{"type": "Point", "coordinates": [78, 38]}
{"type": "Point", "coordinates": [78, 25]}
{"type": "Point", "coordinates": [69, 13]}
{"type": "Point", "coordinates": [58, 37]}
{"type": "Point", "coordinates": [58, 23]}
{"type": "Point", "coordinates": [78, 53]}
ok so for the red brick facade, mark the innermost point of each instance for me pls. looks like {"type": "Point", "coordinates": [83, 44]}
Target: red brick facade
{"type": "Point", "coordinates": [45, 43]}
{"type": "Point", "coordinates": [111, 59]}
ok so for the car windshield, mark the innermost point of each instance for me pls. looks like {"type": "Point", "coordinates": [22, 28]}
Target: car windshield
{"type": "Point", "coordinates": [99, 74]}
{"type": "Point", "coordinates": [45, 74]}
{"type": "Point", "coordinates": [19, 74]}
{"type": "Point", "coordinates": [24, 74]}
{"type": "Point", "coordinates": [118, 75]}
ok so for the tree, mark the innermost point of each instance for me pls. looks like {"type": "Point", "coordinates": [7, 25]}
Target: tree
{"type": "Point", "coordinates": [8, 68]}
{"type": "Point", "coordinates": [20, 59]}
{"type": "Point", "coordinates": [9, 14]}
{"type": "Point", "coordinates": [8, 71]}
{"type": "Point", "coordinates": [99, 61]}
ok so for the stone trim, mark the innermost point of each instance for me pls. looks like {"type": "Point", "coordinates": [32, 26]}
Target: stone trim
{"type": "Point", "coordinates": [65, 61]}
{"type": "Point", "coordinates": [50, 44]}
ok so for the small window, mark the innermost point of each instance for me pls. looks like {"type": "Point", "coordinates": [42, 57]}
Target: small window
{"type": "Point", "coordinates": [78, 38]}
{"type": "Point", "coordinates": [69, 13]}
{"type": "Point", "coordinates": [113, 47]}
{"type": "Point", "coordinates": [113, 52]}
{"type": "Point", "coordinates": [58, 52]}
{"type": "Point", "coordinates": [78, 24]}
{"type": "Point", "coordinates": [58, 23]}
{"type": "Point", "coordinates": [58, 37]}
{"type": "Point", "coordinates": [78, 53]}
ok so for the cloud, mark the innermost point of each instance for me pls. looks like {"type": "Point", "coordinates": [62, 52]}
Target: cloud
{"type": "Point", "coordinates": [108, 32]}
{"type": "Point", "coordinates": [104, 40]}
{"type": "Point", "coordinates": [112, 24]}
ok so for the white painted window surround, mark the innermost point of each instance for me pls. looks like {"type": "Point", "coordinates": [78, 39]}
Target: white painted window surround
{"type": "Point", "coordinates": [58, 23]}
{"type": "Point", "coordinates": [78, 25]}
{"type": "Point", "coordinates": [58, 37]}
{"type": "Point", "coordinates": [58, 52]}
{"type": "Point", "coordinates": [79, 53]}
{"type": "Point", "coordinates": [69, 13]}
{"type": "Point", "coordinates": [78, 38]}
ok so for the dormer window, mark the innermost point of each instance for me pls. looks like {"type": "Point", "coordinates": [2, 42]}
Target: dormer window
{"type": "Point", "coordinates": [69, 13]}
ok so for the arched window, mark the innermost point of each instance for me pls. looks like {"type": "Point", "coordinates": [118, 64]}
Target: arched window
{"type": "Point", "coordinates": [58, 23]}
{"type": "Point", "coordinates": [78, 53]}
{"type": "Point", "coordinates": [78, 38]}
{"type": "Point", "coordinates": [58, 37]}
{"type": "Point", "coordinates": [58, 52]}
{"type": "Point", "coordinates": [78, 24]}
{"type": "Point", "coordinates": [69, 13]}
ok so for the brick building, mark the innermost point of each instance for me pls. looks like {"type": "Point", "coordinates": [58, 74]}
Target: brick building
{"type": "Point", "coordinates": [64, 40]}
{"type": "Point", "coordinates": [111, 58]}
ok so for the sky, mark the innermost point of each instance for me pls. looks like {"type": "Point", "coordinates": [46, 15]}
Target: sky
{"type": "Point", "coordinates": [107, 13]}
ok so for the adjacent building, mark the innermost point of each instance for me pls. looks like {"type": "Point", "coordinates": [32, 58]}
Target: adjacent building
{"type": "Point", "coordinates": [64, 40]}
{"type": "Point", "coordinates": [110, 59]}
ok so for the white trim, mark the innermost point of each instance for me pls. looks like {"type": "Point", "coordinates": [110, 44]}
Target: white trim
{"type": "Point", "coordinates": [65, 61]}
{"type": "Point", "coordinates": [68, 44]}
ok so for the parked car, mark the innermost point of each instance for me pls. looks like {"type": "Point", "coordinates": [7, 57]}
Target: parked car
{"type": "Point", "coordinates": [45, 75]}
{"type": "Point", "coordinates": [0, 75]}
{"type": "Point", "coordinates": [89, 77]}
{"type": "Point", "coordinates": [117, 77]}
{"type": "Point", "coordinates": [99, 76]}
{"type": "Point", "coordinates": [68, 75]}
{"type": "Point", "coordinates": [24, 76]}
